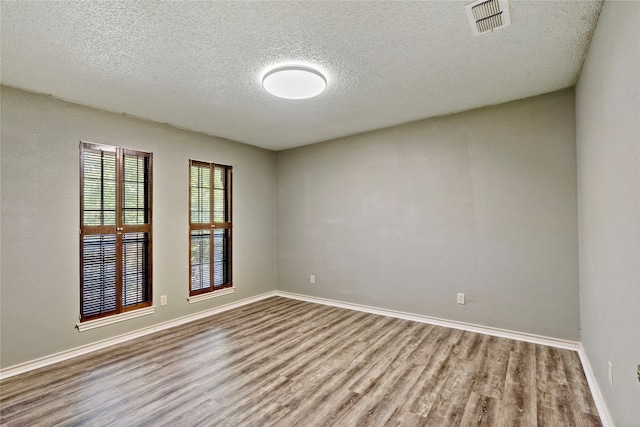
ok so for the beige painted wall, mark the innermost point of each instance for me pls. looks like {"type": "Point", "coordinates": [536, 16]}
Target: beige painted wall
{"type": "Point", "coordinates": [608, 143]}
{"type": "Point", "coordinates": [481, 202]}
{"type": "Point", "coordinates": [40, 219]}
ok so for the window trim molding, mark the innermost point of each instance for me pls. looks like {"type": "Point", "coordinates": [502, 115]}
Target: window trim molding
{"type": "Point", "coordinates": [211, 294]}
{"type": "Point", "coordinates": [114, 318]}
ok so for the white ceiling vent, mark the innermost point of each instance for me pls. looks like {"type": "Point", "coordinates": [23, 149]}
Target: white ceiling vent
{"type": "Point", "coordinates": [487, 15]}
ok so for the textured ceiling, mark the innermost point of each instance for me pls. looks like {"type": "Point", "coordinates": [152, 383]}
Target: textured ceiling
{"type": "Point", "coordinates": [198, 65]}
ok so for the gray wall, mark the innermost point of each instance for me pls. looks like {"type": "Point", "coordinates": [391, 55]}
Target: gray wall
{"type": "Point", "coordinates": [608, 145]}
{"type": "Point", "coordinates": [40, 219]}
{"type": "Point", "coordinates": [483, 202]}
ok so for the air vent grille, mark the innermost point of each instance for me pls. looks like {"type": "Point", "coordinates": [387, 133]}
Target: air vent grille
{"type": "Point", "coordinates": [487, 15]}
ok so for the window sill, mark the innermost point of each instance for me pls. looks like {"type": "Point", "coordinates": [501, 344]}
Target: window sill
{"type": "Point", "coordinates": [209, 295]}
{"type": "Point", "coordinates": [92, 324]}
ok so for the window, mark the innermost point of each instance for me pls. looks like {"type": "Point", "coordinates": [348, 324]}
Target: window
{"type": "Point", "coordinates": [115, 230]}
{"type": "Point", "coordinates": [209, 227]}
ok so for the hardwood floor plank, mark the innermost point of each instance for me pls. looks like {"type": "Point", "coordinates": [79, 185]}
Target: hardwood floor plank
{"type": "Point", "coordinates": [450, 406]}
{"type": "Point", "coordinates": [576, 380]}
{"type": "Point", "coordinates": [322, 395]}
{"type": "Point", "coordinates": [519, 403]}
{"type": "Point", "coordinates": [331, 412]}
{"type": "Point", "coordinates": [555, 400]}
{"type": "Point", "coordinates": [400, 418]}
{"type": "Point", "coordinates": [433, 378]}
{"type": "Point", "coordinates": [588, 420]}
{"type": "Point", "coordinates": [390, 394]}
{"type": "Point", "coordinates": [480, 411]}
{"type": "Point", "coordinates": [385, 354]}
{"type": "Point", "coordinates": [493, 371]}
{"type": "Point", "coordinates": [282, 362]}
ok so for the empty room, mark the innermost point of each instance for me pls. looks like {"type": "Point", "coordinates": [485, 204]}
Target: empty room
{"type": "Point", "coordinates": [308, 213]}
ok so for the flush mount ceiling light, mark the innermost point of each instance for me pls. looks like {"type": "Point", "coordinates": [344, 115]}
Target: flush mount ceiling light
{"type": "Point", "coordinates": [294, 82]}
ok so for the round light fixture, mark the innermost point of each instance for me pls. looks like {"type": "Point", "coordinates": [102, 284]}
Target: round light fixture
{"type": "Point", "coordinates": [294, 82]}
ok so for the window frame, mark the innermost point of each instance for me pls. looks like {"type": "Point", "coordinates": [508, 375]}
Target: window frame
{"type": "Point", "coordinates": [119, 229]}
{"type": "Point", "coordinates": [211, 226]}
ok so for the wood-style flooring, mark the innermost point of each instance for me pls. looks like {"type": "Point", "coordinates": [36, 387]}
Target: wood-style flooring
{"type": "Point", "coordinates": [283, 362]}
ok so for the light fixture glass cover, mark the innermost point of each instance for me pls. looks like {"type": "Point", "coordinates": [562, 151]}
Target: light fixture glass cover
{"type": "Point", "coordinates": [294, 82]}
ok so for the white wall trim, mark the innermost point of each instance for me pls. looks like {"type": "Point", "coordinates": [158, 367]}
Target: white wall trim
{"type": "Point", "coordinates": [603, 410]}
{"type": "Point", "coordinates": [209, 295]}
{"type": "Point", "coordinates": [88, 348]}
{"type": "Point", "coordinates": [487, 330]}
{"type": "Point", "coordinates": [97, 323]}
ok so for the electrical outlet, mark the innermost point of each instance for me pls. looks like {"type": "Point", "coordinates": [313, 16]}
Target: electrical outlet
{"type": "Point", "coordinates": [312, 279]}
{"type": "Point", "coordinates": [610, 374]}
{"type": "Point", "coordinates": [460, 298]}
{"type": "Point", "coordinates": [163, 300]}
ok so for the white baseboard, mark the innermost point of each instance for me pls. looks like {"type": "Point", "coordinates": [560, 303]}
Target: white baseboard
{"type": "Point", "coordinates": [78, 351]}
{"type": "Point", "coordinates": [502, 333]}
{"type": "Point", "coordinates": [603, 410]}
{"type": "Point", "coordinates": [487, 330]}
